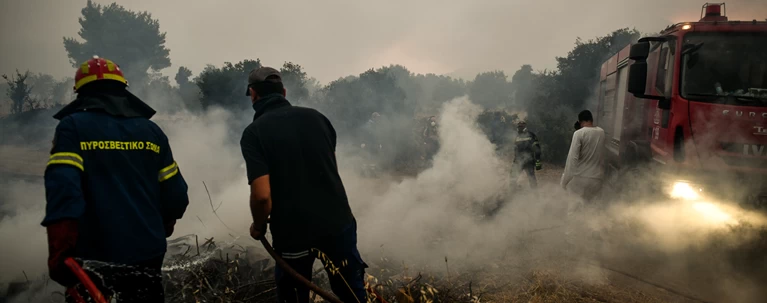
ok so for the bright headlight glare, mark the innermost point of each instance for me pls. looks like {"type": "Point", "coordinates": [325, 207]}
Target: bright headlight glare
{"type": "Point", "coordinates": [685, 190]}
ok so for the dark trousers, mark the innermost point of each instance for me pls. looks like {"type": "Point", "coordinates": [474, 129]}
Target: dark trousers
{"type": "Point", "coordinates": [343, 264]}
{"type": "Point", "coordinates": [529, 169]}
{"type": "Point", "coordinates": [136, 283]}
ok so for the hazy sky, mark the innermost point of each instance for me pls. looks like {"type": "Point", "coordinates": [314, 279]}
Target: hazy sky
{"type": "Point", "coordinates": [336, 38]}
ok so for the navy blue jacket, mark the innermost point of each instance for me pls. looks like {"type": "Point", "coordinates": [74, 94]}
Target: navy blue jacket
{"type": "Point", "coordinates": [112, 169]}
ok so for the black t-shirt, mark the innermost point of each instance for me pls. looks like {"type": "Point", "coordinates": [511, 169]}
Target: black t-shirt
{"type": "Point", "coordinates": [295, 146]}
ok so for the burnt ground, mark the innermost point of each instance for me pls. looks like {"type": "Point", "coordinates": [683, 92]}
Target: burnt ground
{"type": "Point", "coordinates": [605, 270]}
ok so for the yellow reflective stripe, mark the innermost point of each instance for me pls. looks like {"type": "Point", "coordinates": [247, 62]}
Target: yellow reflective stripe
{"type": "Point", "coordinates": [169, 167]}
{"type": "Point", "coordinates": [91, 78]}
{"type": "Point", "coordinates": [65, 154]}
{"type": "Point", "coordinates": [68, 159]}
{"type": "Point", "coordinates": [168, 172]}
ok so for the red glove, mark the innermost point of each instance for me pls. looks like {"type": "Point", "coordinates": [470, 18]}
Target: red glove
{"type": "Point", "coordinates": [169, 227]}
{"type": "Point", "coordinates": [62, 239]}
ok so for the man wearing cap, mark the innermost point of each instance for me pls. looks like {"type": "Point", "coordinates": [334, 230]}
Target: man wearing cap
{"type": "Point", "coordinates": [527, 153]}
{"type": "Point", "coordinates": [292, 172]}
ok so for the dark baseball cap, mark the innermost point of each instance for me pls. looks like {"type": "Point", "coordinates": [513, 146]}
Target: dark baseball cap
{"type": "Point", "coordinates": [263, 74]}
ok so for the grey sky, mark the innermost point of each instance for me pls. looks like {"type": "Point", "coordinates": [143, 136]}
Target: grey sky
{"type": "Point", "coordinates": [336, 38]}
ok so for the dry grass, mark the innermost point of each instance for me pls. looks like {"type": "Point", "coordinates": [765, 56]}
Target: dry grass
{"type": "Point", "coordinates": [218, 275]}
{"type": "Point", "coordinates": [531, 286]}
{"type": "Point", "coordinates": [547, 287]}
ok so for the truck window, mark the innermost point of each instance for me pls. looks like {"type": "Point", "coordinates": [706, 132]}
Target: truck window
{"type": "Point", "coordinates": [664, 77]}
{"type": "Point", "coordinates": [610, 95]}
{"type": "Point", "coordinates": [620, 102]}
{"type": "Point", "coordinates": [725, 68]}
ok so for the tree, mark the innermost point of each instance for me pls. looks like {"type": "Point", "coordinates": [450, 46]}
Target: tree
{"type": "Point", "coordinates": [295, 80]}
{"type": "Point", "coordinates": [159, 94]}
{"type": "Point", "coordinates": [521, 85]}
{"type": "Point", "coordinates": [19, 91]}
{"type": "Point", "coordinates": [188, 91]}
{"type": "Point", "coordinates": [182, 76]}
{"type": "Point", "coordinates": [132, 40]}
{"type": "Point", "coordinates": [405, 79]}
{"type": "Point", "coordinates": [62, 91]}
{"type": "Point", "coordinates": [50, 92]}
{"type": "Point", "coordinates": [490, 89]}
{"type": "Point", "coordinates": [433, 90]}
{"type": "Point", "coordinates": [226, 86]}
{"type": "Point", "coordinates": [350, 101]}
{"type": "Point", "coordinates": [580, 68]}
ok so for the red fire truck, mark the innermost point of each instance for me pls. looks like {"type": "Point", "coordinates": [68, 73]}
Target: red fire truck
{"type": "Point", "coordinates": [690, 104]}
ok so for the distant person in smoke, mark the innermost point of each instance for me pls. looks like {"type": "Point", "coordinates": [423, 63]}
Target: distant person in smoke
{"type": "Point", "coordinates": [372, 128]}
{"type": "Point", "coordinates": [585, 166]}
{"type": "Point", "coordinates": [527, 154]}
{"type": "Point", "coordinates": [431, 137]}
{"type": "Point", "coordinates": [113, 190]}
{"type": "Point", "coordinates": [293, 176]}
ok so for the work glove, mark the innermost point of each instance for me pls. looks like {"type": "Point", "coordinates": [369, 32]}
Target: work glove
{"type": "Point", "coordinates": [62, 240]}
{"type": "Point", "coordinates": [538, 165]}
{"type": "Point", "coordinates": [169, 227]}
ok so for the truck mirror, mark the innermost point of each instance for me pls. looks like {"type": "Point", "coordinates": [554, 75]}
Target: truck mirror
{"type": "Point", "coordinates": [637, 78]}
{"type": "Point", "coordinates": [639, 51]}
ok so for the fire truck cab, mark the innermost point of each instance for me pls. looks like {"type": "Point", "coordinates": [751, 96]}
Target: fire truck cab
{"type": "Point", "coordinates": [691, 103]}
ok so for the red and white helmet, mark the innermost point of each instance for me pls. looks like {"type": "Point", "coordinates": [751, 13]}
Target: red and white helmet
{"type": "Point", "coordinates": [98, 69]}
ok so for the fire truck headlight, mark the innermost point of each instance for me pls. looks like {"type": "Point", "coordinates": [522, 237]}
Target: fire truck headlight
{"type": "Point", "coordinates": [686, 26]}
{"type": "Point", "coordinates": [686, 191]}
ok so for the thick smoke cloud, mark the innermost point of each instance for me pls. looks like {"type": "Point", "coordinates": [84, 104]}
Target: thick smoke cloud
{"type": "Point", "coordinates": [444, 211]}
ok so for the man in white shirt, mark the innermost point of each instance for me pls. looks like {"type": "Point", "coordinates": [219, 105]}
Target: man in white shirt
{"type": "Point", "coordinates": [585, 167]}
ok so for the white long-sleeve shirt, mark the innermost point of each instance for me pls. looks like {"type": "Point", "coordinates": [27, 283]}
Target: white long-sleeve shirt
{"type": "Point", "coordinates": [587, 155]}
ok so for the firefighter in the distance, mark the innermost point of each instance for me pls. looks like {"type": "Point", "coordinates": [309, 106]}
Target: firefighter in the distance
{"type": "Point", "coordinates": [527, 153]}
{"type": "Point", "coordinates": [430, 136]}
{"type": "Point", "coordinates": [113, 189]}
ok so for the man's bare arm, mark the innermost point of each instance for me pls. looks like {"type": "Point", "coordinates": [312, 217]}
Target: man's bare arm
{"type": "Point", "coordinates": [260, 201]}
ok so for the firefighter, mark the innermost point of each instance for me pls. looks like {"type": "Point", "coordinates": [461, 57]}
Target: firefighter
{"type": "Point", "coordinates": [292, 172]}
{"type": "Point", "coordinates": [113, 189]}
{"type": "Point", "coordinates": [372, 134]}
{"type": "Point", "coordinates": [431, 138]}
{"type": "Point", "coordinates": [527, 153]}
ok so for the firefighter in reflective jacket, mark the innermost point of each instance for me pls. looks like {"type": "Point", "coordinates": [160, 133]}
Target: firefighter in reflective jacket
{"type": "Point", "coordinates": [113, 189]}
{"type": "Point", "coordinates": [527, 153]}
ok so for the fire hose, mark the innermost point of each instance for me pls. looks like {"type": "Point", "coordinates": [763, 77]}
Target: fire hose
{"type": "Point", "coordinates": [81, 275]}
{"type": "Point", "coordinates": [98, 297]}
{"type": "Point", "coordinates": [316, 289]}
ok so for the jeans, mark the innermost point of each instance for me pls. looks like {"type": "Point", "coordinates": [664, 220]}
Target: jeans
{"type": "Point", "coordinates": [347, 282]}
{"type": "Point", "coordinates": [136, 283]}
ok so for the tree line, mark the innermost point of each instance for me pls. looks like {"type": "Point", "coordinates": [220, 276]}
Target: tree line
{"type": "Point", "coordinates": [551, 98]}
